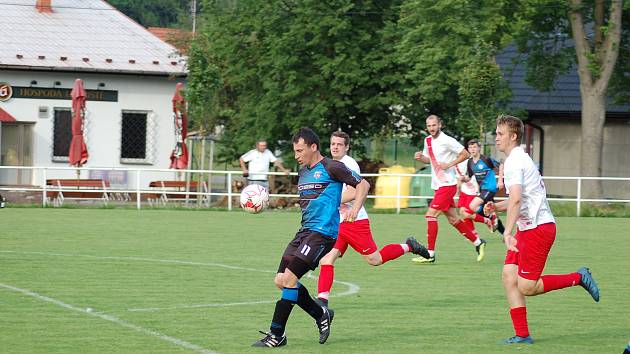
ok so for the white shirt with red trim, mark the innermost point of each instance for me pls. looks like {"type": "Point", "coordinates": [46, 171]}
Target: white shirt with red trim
{"type": "Point", "coordinates": [445, 149]}
{"type": "Point", "coordinates": [471, 187]}
{"type": "Point", "coordinates": [520, 169]}
{"type": "Point", "coordinates": [354, 166]}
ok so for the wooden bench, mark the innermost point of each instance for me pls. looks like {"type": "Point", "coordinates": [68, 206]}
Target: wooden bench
{"type": "Point", "coordinates": [80, 189]}
{"type": "Point", "coordinates": [164, 192]}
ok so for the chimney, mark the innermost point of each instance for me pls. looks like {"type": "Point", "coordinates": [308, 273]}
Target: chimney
{"type": "Point", "coordinates": [44, 6]}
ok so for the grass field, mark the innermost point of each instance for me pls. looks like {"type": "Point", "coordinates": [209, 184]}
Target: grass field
{"type": "Point", "coordinates": [170, 281]}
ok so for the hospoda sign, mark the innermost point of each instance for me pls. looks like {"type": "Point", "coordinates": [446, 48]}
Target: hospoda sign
{"type": "Point", "coordinates": [6, 91]}
{"type": "Point", "coordinates": [63, 94]}
{"type": "Point", "coordinates": [60, 93]}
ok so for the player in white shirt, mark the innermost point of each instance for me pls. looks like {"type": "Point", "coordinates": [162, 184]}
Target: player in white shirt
{"type": "Point", "coordinates": [468, 190]}
{"type": "Point", "coordinates": [356, 233]}
{"type": "Point", "coordinates": [472, 196]}
{"type": "Point", "coordinates": [444, 153]}
{"type": "Point", "coordinates": [258, 161]}
{"type": "Point", "coordinates": [528, 210]}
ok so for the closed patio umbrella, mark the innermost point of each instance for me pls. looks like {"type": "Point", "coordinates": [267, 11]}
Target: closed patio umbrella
{"type": "Point", "coordinates": [78, 154]}
{"type": "Point", "coordinates": [179, 156]}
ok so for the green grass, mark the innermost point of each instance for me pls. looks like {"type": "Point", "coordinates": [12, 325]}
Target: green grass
{"type": "Point", "coordinates": [116, 260]}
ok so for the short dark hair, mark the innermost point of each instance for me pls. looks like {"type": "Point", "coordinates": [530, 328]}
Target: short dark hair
{"type": "Point", "coordinates": [308, 135]}
{"type": "Point", "coordinates": [514, 125]}
{"type": "Point", "coordinates": [340, 134]}
{"type": "Point", "coordinates": [473, 142]}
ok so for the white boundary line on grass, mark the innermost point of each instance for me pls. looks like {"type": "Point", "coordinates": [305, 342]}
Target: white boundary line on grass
{"type": "Point", "coordinates": [352, 288]}
{"type": "Point", "coordinates": [110, 318]}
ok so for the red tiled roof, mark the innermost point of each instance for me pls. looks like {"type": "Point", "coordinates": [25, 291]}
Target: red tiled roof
{"type": "Point", "coordinates": [6, 117]}
{"type": "Point", "coordinates": [178, 38]}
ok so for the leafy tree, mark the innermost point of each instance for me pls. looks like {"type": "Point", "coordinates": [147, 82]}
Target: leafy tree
{"type": "Point", "coordinates": [559, 34]}
{"type": "Point", "coordinates": [482, 92]}
{"type": "Point", "coordinates": [269, 67]}
{"type": "Point", "coordinates": [438, 49]}
{"type": "Point", "coordinates": [156, 13]}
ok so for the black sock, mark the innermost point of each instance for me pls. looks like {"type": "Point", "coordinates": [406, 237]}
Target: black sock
{"type": "Point", "coordinates": [500, 227]}
{"type": "Point", "coordinates": [307, 304]}
{"type": "Point", "coordinates": [283, 310]}
{"type": "Point", "coordinates": [281, 316]}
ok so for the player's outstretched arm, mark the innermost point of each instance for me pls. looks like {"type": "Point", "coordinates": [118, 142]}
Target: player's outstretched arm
{"type": "Point", "coordinates": [361, 193]}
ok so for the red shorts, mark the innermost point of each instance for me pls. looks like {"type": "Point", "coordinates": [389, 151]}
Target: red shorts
{"type": "Point", "coordinates": [443, 198]}
{"type": "Point", "coordinates": [533, 248]}
{"type": "Point", "coordinates": [464, 200]}
{"type": "Point", "coordinates": [358, 235]}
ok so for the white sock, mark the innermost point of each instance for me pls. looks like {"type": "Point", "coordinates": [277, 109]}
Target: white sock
{"type": "Point", "coordinates": [405, 247]}
{"type": "Point", "coordinates": [431, 253]}
{"type": "Point", "coordinates": [477, 242]}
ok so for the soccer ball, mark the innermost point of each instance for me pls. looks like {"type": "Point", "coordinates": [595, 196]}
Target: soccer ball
{"type": "Point", "coordinates": [254, 198]}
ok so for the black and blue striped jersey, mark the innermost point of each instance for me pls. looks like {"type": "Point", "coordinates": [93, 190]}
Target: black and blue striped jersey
{"type": "Point", "coordinates": [320, 190]}
{"type": "Point", "coordinates": [483, 170]}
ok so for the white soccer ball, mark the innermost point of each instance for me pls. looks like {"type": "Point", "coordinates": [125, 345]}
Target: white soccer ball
{"type": "Point", "coordinates": [254, 198]}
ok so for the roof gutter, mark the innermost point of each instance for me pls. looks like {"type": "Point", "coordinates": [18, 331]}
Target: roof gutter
{"type": "Point", "coordinates": [93, 70]}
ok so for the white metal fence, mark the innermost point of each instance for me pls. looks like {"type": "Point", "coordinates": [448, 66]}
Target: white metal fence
{"type": "Point", "coordinates": [139, 188]}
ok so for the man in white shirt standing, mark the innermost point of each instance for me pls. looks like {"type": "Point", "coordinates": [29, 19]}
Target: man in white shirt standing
{"type": "Point", "coordinates": [258, 160]}
{"type": "Point", "coordinates": [356, 233]}
{"type": "Point", "coordinates": [444, 153]}
{"type": "Point", "coordinates": [527, 208]}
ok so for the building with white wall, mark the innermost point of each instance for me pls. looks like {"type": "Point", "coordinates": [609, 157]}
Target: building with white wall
{"type": "Point", "coordinates": [129, 75]}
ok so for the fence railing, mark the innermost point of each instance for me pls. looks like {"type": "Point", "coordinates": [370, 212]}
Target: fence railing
{"type": "Point", "coordinates": [142, 184]}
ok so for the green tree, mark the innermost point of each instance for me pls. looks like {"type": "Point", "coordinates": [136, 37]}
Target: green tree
{"type": "Point", "coordinates": [437, 50]}
{"type": "Point", "coordinates": [156, 13]}
{"type": "Point", "coordinates": [559, 34]}
{"type": "Point", "coordinates": [264, 68]}
{"type": "Point", "coordinates": [483, 93]}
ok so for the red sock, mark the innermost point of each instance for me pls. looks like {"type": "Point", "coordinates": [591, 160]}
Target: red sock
{"type": "Point", "coordinates": [560, 281]}
{"type": "Point", "coordinates": [479, 218]}
{"type": "Point", "coordinates": [469, 221]}
{"type": "Point", "coordinates": [519, 321]}
{"type": "Point", "coordinates": [391, 251]}
{"type": "Point", "coordinates": [326, 276]}
{"type": "Point", "coordinates": [432, 231]}
{"type": "Point", "coordinates": [466, 230]}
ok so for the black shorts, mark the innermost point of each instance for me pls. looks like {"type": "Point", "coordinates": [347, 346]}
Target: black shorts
{"type": "Point", "coordinates": [309, 246]}
{"type": "Point", "coordinates": [486, 195]}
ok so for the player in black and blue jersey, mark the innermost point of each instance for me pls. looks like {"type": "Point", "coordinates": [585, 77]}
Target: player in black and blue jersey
{"type": "Point", "coordinates": [320, 185]}
{"type": "Point", "coordinates": [483, 168]}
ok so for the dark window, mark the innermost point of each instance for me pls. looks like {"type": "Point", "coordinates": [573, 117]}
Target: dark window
{"type": "Point", "coordinates": [134, 136]}
{"type": "Point", "coordinates": [62, 134]}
